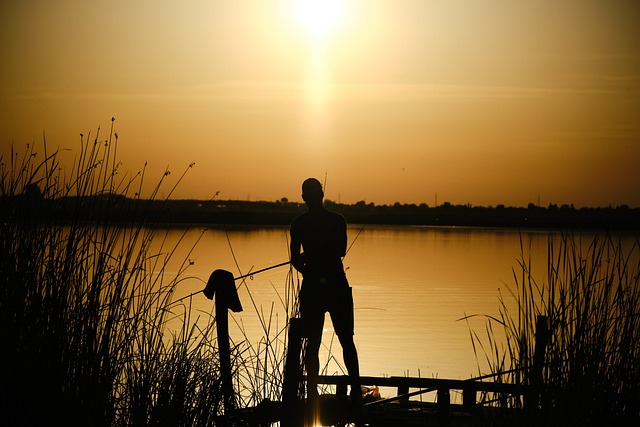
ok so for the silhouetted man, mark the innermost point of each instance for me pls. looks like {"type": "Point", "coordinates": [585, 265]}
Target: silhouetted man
{"type": "Point", "coordinates": [322, 235]}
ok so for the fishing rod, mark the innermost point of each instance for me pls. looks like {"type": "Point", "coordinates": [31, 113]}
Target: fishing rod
{"type": "Point", "coordinates": [250, 274]}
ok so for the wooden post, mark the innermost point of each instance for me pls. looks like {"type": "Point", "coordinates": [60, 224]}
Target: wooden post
{"type": "Point", "coordinates": [469, 398]}
{"type": "Point", "coordinates": [403, 390]}
{"type": "Point", "coordinates": [542, 339]}
{"type": "Point", "coordinates": [292, 414]}
{"type": "Point", "coordinates": [341, 389]}
{"type": "Point", "coordinates": [222, 284]}
{"type": "Point", "coordinates": [444, 401]}
{"type": "Point", "coordinates": [222, 327]}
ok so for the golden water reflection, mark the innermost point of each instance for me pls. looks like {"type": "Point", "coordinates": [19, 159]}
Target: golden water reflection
{"type": "Point", "coordinates": [411, 287]}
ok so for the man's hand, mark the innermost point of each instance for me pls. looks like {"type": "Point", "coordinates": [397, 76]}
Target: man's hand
{"type": "Point", "coordinates": [299, 262]}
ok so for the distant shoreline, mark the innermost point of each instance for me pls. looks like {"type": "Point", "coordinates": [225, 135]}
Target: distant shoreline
{"type": "Point", "coordinates": [114, 208]}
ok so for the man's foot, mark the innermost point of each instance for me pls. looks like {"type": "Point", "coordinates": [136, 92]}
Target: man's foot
{"type": "Point", "coordinates": [358, 408]}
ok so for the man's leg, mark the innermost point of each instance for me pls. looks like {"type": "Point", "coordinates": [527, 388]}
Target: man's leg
{"type": "Point", "coordinates": [350, 356]}
{"type": "Point", "coordinates": [343, 322]}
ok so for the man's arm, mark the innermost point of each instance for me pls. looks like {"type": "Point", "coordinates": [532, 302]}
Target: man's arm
{"type": "Point", "coordinates": [297, 260]}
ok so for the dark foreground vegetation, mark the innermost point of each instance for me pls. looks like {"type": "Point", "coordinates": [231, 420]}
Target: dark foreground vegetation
{"type": "Point", "coordinates": [86, 303]}
{"type": "Point", "coordinates": [88, 330]}
{"type": "Point", "coordinates": [587, 347]}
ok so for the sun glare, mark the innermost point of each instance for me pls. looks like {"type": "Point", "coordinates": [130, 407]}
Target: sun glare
{"type": "Point", "coordinates": [318, 16]}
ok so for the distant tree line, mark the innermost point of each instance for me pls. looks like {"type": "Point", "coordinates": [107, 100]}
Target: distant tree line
{"type": "Point", "coordinates": [533, 216]}
{"type": "Point", "coordinates": [281, 212]}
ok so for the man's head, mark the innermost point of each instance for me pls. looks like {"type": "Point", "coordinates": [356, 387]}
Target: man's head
{"type": "Point", "coordinates": [312, 192]}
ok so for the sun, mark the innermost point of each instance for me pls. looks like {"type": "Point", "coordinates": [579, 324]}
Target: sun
{"type": "Point", "coordinates": [318, 16]}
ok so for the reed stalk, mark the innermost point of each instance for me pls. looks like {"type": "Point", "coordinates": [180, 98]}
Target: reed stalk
{"type": "Point", "coordinates": [259, 366]}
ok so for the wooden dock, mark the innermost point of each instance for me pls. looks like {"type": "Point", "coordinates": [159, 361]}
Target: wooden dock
{"type": "Point", "coordinates": [484, 402]}
{"type": "Point", "coordinates": [417, 402]}
{"type": "Point", "coordinates": [428, 402]}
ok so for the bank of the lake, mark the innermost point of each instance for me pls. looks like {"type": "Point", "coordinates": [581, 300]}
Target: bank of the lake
{"type": "Point", "coordinates": [228, 212]}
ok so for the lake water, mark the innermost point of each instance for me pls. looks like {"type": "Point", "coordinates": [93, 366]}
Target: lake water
{"type": "Point", "coordinates": [411, 287]}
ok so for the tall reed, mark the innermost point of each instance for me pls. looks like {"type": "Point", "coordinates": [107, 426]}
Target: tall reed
{"type": "Point", "coordinates": [591, 363]}
{"type": "Point", "coordinates": [83, 299]}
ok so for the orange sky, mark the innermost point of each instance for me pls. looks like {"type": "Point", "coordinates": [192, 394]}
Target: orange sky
{"type": "Point", "coordinates": [481, 102]}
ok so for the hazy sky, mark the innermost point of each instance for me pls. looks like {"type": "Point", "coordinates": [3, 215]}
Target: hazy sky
{"type": "Point", "coordinates": [480, 101]}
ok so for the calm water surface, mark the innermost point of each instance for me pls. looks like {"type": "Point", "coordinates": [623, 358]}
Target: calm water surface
{"type": "Point", "coordinates": [411, 287]}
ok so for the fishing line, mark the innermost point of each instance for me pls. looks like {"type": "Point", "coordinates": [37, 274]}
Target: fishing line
{"type": "Point", "coordinates": [354, 240]}
{"type": "Point", "coordinates": [233, 254]}
{"type": "Point", "coordinates": [250, 275]}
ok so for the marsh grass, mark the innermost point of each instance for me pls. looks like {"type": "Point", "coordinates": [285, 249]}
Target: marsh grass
{"type": "Point", "coordinates": [591, 297]}
{"type": "Point", "coordinates": [83, 300]}
{"type": "Point", "coordinates": [260, 364]}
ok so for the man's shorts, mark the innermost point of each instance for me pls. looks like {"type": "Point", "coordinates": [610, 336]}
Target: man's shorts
{"type": "Point", "coordinates": [316, 300]}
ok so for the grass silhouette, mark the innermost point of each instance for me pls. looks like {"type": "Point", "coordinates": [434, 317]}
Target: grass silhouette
{"type": "Point", "coordinates": [83, 300]}
{"type": "Point", "coordinates": [591, 364]}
